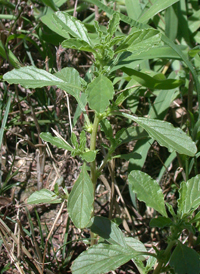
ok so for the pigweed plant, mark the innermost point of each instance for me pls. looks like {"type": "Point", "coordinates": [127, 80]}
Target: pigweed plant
{"type": "Point", "coordinates": [112, 51]}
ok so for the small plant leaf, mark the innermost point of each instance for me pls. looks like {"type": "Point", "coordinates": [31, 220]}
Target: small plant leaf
{"type": "Point", "coordinates": [189, 195]}
{"type": "Point", "coordinates": [108, 230]}
{"type": "Point", "coordinates": [139, 41]}
{"type": "Point", "coordinates": [166, 135]}
{"type": "Point", "coordinates": [55, 141]}
{"type": "Point", "coordinates": [185, 260]}
{"type": "Point", "coordinates": [88, 156]}
{"type": "Point", "coordinates": [152, 82]}
{"type": "Point", "coordinates": [77, 44]}
{"type": "Point", "coordinates": [102, 258]}
{"type": "Point", "coordinates": [113, 25]}
{"type": "Point", "coordinates": [99, 92]}
{"type": "Point", "coordinates": [161, 222]}
{"type": "Point", "coordinates": [72, 26]}
{"type": "Point", "coordinates": [81, 198]}
{"type": "Point", "coordinates": [147, 190]}
{"type": "Point", "coordinates": [44, 196]}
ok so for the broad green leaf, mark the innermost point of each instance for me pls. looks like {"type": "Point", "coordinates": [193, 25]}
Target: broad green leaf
{"type": "Point", "coordinates": [107, 230]}
{"type": "Point", "coordinates": [88, 156]}
{"type": "Point", "coordinates": [32, 77]}
{"type": "Point", "coordinates": [136, 245]}
{"type": "Point", "coordinates": [147, 190]}
{"type": "Point", "coordinates": [77, 44]}
{"type": "Point", "coordinates": [49, 21]}
{"type": "Point", "coordinates": [157, 7]}
{"type": "Point", "coordinates": [140, 41]}
{"type": "Point", "coordinates": [171, 23]}
{"type": "Point", "coordinates": [81, 198]}
{"type": "Point", "coordinates": [152, 82]}
{"type": "Point", "coordinates": [72, 26]}
{"type": "Point", "coordinates": [55, 141]}
{"type": "Point", "coordinates": [166, 135]}
{"type": "Point", "coordinates": [185, 260]}
{"type": "Point", "coordinates": [99, 92]}
{"type": "Point", "coordinates": [133, 9]}
{"type": "Point", "coordinates": [161, 222]}
{"type": "Point", "coordinates": [102, 258]}
{"type": "Point", "coordinates": [189, 195]}
{"type": "Point", "coordinates": [44, 196]}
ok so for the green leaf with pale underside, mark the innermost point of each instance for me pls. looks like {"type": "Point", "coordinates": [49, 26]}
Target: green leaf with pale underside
{"type": "Point", "coordinates": [147, 190]}
{"type": "Point", "coordinates": [166, 135]}
{"type": "Point", "coordinates": [71, 25]}
{"type": "Point", "coordinates": [32, 77]}
{"type": "Point", "coordinates": [81, 198]}
{"type": "Point", "coordinates": [44, 196]}
{"type": "Point", "coordinates": [99, 92]}
{"type": "Point", "coordinates": [102, 258]}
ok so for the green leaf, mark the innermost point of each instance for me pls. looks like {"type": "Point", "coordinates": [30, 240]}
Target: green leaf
{"type": "Point", "coordinates": [147, 190]}
{"type": "Point", "coordinates": [133, 133]}
{"type": "Point", "coordinates": [51, 4]}
{"type": "Point", "coordinates": [107, 129]}
{"type": "Point", "coordinates": [5, 117]}
{"type": "Point", "coordinates": [74, 140]}
{"type": "Point", "coordinates": [77, 44]}
{"type": "Point", "coordinates": [49, 21]}
{"type": "Point", "coordinates": [166, 135]}
{"type": "Point", "coordinates": [99, 92]}
{"type": "Point", "coordinates": [136, 245]}
{"type": "Point", "coordinates": [102, 258]}
{"type": "Point", "coordinates": [107, 230]}
{"type": "Point", "coordinates": [185, 260]}
{"type": "Point", "coordinates": [71, 25]}
{"type": "Point", "coordinates": [171, 23]}
{"type": "Point", "coordinates": [44, 196]}
{"type": "Point", "coordinates": [133, 9]}
{"type": "Point", "coordinates": [113, 25]}
{"type": "Point", "coordinates": [9, 55]}
{"type": "Point", "coordinates": [140, 41]}
{"type": "Point", "coordinates": [161, 222]}
{"type": "Point", "coordinates": [32, 77]}
{"type": "Point", "coordinates": [157, 7]}
{"type": "Point", "coordinates": [55, 141]}
{"type": "Point", "coordinates": [189, 196]}
{"type": "Point", "coordinates": [88, 156]}
{"type": "Point", "coordinates": [83, 140]}
{"type": "Point", "coordinates": [152, 82]}
{"type": "Point", "coordinates": [81, 198]}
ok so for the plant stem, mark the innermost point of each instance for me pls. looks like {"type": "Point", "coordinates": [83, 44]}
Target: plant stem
{"type": "Point", "coordinates": [165, 256]}
{"type": "Point", "coordinates": [93, 174]}
{"type": "Point", "coordinates": [93, 147]}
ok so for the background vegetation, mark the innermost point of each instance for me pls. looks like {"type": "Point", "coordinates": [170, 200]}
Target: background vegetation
{"type": "Point", "coordinates": [42, 238]}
